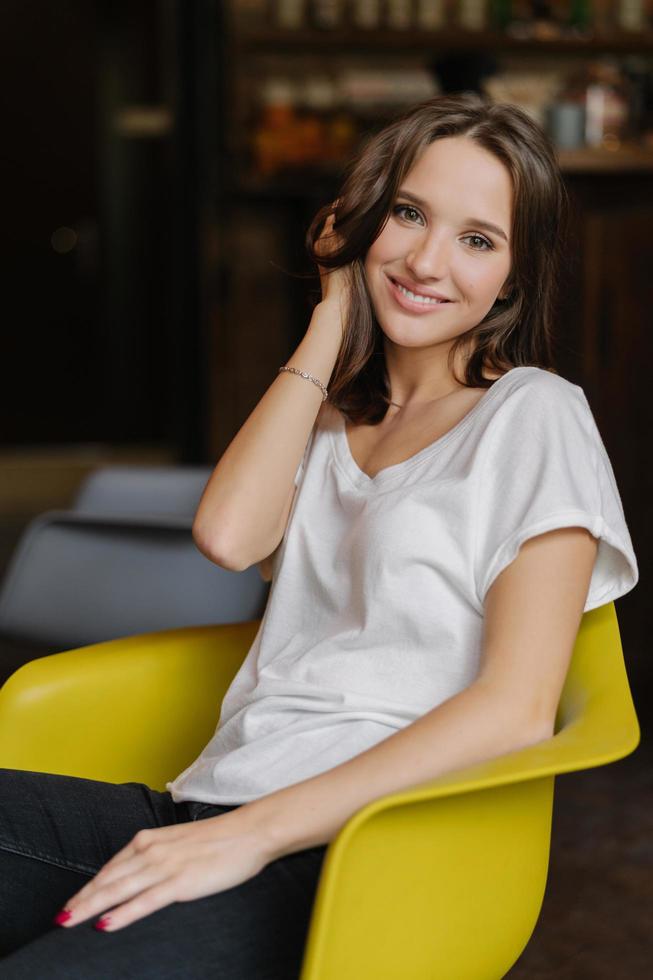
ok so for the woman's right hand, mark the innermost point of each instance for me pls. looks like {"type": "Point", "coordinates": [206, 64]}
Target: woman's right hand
{"type": "Point", "coordinates": [334, 282]}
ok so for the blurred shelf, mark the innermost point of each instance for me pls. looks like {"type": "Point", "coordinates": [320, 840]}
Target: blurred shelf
{"type": "Point", "coordinates": [303, 41]}
{"type": "Point", "coordinates": [626, 159]}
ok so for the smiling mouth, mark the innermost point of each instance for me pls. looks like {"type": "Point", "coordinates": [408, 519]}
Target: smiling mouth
{"type": "Point", "coordinates": [417, 298]}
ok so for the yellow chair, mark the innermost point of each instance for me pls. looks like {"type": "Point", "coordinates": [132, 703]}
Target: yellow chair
{"type": "Point", "coordinates": [444, 881]}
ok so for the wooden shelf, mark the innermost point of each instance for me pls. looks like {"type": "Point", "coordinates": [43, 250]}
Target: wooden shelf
{"type": "Point", "coordinates": [627, 159]}
{"type": "Point", "coordinates": [270, 40]}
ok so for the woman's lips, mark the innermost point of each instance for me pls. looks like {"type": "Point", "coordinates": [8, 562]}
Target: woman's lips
{"type": "Point", "coordinates": [412, 305]}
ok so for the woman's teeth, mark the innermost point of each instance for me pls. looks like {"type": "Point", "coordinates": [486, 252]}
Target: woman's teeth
{"type": "Point", "coordinates": [416, 297]}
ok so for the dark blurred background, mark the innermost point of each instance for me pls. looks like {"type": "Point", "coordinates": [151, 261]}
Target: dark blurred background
{"type": "Point", "coordinates": [161, 161]}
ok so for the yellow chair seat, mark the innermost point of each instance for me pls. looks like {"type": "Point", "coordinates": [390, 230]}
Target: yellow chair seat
{"type": "Point", "coordinates": [443, 881]}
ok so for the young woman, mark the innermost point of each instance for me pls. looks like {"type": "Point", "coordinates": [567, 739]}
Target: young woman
{"type": "Point", "coordinates": [433, 530]}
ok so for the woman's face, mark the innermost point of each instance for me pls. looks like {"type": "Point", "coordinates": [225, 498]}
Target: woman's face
{"type": "Point", "coordinates": [438, 243]}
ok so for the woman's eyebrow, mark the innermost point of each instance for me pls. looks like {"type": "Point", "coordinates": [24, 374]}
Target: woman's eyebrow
{"type": "Point", "coordinates": [479, 222]}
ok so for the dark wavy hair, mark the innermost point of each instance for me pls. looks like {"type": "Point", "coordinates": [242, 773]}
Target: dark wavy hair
{"type": "Point", "coordinates": [517, 330]}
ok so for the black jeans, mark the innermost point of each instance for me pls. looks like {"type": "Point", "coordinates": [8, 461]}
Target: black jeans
{"type": "Point", "coordinates": [56, 832]}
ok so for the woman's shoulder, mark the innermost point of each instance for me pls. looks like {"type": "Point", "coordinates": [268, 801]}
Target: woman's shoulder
{"type": "Point", "coordinates": [542, 382]}
{"type": "Point", "coordinates": [536, 403]}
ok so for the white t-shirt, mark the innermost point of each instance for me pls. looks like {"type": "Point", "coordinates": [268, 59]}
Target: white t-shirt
{"type": "Point", "coordinates": [375, 609]}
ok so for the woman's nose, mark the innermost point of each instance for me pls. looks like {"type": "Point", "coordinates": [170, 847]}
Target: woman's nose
{"type": "Point", "coordinates": [429, 257]}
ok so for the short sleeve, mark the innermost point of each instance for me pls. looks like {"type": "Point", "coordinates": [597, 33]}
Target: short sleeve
{"type": "Point", "coordinates": [544, 466]}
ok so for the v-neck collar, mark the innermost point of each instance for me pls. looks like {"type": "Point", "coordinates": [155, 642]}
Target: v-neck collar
{"type": "Point", "coordinates": [393, 473]}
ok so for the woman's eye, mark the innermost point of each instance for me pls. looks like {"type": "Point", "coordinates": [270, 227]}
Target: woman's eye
{"type": "Point", "coordinates": [406, 211]}
{"type": "Point", "coordinates": [483, 241]}
{"type": "Point", "coordinates": [480, 244]}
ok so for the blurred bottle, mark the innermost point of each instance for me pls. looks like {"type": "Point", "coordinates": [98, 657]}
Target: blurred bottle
{"type": "Point", "coordinates": [581, 17]}
{"type": "Point", "coordinates": [631, 15]}
{"type": "Point", "coordinates": [473, 15]}
{"type": "Point", "coordinates": [566, 115]}
{"type": "Point", "coordinates": [341, 131]}
{"type": "Point", "coordinates": [314, 104]}
{"type": "Point", "coordinates": [327, 14]}
{"type": "Point", "coordinates": [289, 13]}
{"type": "Point", "coordinates": [366, 14]}
{"type": "Point", "coordinates": [500, 14]}
{"type": "Point", "coordinates": [399, 14]}
{"type": "Point", "coordinates": [276, 128]}
{"type": "Point", "coordinates": [431, 15]}
{"type": "Point", "coordinates": [607, 105]}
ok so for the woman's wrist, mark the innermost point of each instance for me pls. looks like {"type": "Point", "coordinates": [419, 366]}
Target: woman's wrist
{"type": "Point", "coordinates": [328, 315]}
{"type": "Point", "coordinates": [249, 823]}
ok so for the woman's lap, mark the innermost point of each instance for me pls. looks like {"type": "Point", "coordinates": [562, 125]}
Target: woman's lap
{"type": "Point", "coordinates": [56, 832]}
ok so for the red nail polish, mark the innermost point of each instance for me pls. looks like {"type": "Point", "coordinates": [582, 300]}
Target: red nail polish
{"type": "Point", "coordinates": [62, 917]}
{"type": "Point", "coordinates": [103, 922]}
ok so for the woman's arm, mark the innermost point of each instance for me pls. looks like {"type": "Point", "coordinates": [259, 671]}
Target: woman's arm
{"type": "Point", "coordinates": [243, 512]}
{"type": "Point", "coordinates": [241, 516]}
{"type": "Point", "coordinates": [532, 616]}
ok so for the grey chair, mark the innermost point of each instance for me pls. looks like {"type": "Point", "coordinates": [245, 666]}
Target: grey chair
{"type": "Point", "coordinates": [147, 490]}
{"type": "Point", "coordinates": [121, 561]}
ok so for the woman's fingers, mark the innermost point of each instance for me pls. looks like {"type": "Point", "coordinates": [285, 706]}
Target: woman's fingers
{"type": "Point", "coordinates": [322, 246]}
{"type": "Point", "coordinates": [145, 903]}
{"type": "Point", "coordinates": [331, 280]}
{"type": "Point", "coordinates": [328, 236]}
{"type": "Point", "coordinates": [103, 880]}
{"type": "Point", "coordinates": [105, 874]}
{"type": "Point", "coordinates": [125, 862]}
{"type": "Point", "coordinates": [110, 894]}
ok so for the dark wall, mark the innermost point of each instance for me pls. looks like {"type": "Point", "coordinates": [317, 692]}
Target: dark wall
{"type": "Point", "coordinates": [91, 342]}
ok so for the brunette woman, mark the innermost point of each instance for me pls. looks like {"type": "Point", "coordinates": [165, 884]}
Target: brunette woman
{"type": "Point", "coordinates": [435, 509]}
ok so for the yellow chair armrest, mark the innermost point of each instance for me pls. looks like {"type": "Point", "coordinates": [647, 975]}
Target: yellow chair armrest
{"type": "Point", "coordinates": [596, 724]}
{"type": "Point", "coordinates": [138, 708]}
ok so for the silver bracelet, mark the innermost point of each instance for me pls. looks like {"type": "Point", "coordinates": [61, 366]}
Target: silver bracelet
{"type": "Point", "coordinates": [309, 377]}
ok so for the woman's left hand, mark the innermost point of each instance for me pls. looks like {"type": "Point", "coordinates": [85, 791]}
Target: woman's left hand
{"type": "Point", "coordinates": [177, 863]}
